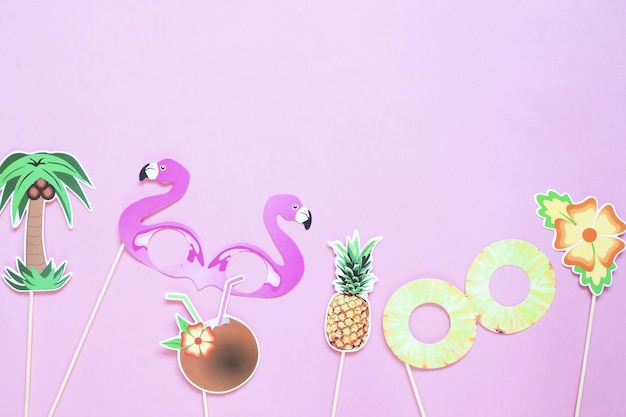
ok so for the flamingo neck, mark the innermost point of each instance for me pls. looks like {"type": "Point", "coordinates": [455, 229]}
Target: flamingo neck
{"type": "Point", "coordinates": [140, 210]}
{"type": "Point", "coordinates": [285, 245]}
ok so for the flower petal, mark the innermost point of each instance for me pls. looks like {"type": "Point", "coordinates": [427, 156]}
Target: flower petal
{"type": "Point", "coordinates": [207, 335]}
{"type": "Point", "coordinates": [186, 340]}
{"type": "Point", "coordinates": [195, 329]}
{"type": "Point", "coordinates": [580, 255]}
{"type": "Point", "coordinates": [193, 350]}
{"type": "Point", "coordinates": [607, 249]}
{"type": "Point", "coordinates": [608, 223]}
{"type": "Point", "coordinates": [206, 348]}
{"type": "Point", "coordinates": [583, 213]}
{"type": "Point", "coordinates": [597, 274]}
{"type": "Point", "coordinates": [567, 234]}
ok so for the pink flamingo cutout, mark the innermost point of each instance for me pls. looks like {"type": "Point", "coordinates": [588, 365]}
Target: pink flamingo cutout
{"type": "Point", "coordinates": [281, 277]}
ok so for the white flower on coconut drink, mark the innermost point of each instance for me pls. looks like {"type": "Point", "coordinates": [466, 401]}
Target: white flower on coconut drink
{"type": "Point", "coordinates": [197, 341]}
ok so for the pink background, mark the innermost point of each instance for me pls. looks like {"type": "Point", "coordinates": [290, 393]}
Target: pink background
{"type": "Point", "coordinates": [432, 125]}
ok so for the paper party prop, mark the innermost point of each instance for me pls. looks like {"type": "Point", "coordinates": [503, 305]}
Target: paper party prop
{"type": "Point", "coordinates": [281, 277]}
{"type": "Point", "coordinates": [588, 235]}
{"type": "Point", "coordinates": [589, 238]}
{"type": "Point", "coordinates": [451, 348]}
{"type": "Point", "coordinates": [31, 182]}
{"type": "Point", "coordinates": [466, 310]}
{"type": "Point", "coordinates": [505, 319]}
{"type": "Point", "coordinates": [217, 356]}
{"type": "Point", "coordinates": [348, 315]}
{"type": "Point", "coordinates": [135, 236]}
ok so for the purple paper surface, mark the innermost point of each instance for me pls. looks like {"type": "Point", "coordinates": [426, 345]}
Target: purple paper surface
{"type": "Point", "coordinates": [433, 125]}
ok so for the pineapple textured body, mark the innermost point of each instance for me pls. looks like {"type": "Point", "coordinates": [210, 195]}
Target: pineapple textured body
{"type": "Point", "coordinates": [347, 322]}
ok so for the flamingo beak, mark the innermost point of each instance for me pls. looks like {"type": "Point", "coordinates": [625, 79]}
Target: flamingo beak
{"type": "Point", "coordinates": [149, 171]}
{"type": "Point", "coordinates": [142, 173]}
{"type": "Point", "coordinates": [304, 216]}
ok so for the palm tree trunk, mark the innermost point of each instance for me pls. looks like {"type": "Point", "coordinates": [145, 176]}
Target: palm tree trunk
{"type": "Point", "coordinates": [35, 254]}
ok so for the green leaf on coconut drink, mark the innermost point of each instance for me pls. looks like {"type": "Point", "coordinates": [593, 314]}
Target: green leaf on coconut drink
{"type": "Point", "coordinates": [553, 206]}
{"type": "Point", "coordinates": [596, 280]}
{"type": "Point", "coordinates": [24, 279]}
{"type": "Point", "coordinates": [183, 324]}
{"type": "Point", "coordinates": [173, 343]}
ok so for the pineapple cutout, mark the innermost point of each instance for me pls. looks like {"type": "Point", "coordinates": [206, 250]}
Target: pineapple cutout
{"type": "Point", "coordinates": [348, 315]}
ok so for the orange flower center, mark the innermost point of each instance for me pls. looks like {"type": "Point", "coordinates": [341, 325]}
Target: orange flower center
{"type": "Point", "coordinates": [198, 341]}
{"type": "Point", "coordinates": [589, 234]}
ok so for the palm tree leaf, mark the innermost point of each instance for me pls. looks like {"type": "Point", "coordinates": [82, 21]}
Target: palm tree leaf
{"type": "Point", "coordinates": [61, 195]}
{"type": "Point", "coordinates": [22, 268]}
{"type": "Point", "coordinates": [77, 169]}
{"type": "Point", "coordinates": [30, 279]}
{"type": "Point", "coordinates": [15, 285]}
{"type": "Point", "coordinates": [17, 213]}
{"type": "Point", "coordinates": [59, 284]}
{"type": "Point", "coordinates": [47, 269]}
{"type": "Point", "coordinates": [14, 276]}
{"type": "Point", "coordinates": [7, 191]}
{"type": "Point", "coordinates": [56, 167]}
{"type": "Point", "coordinates": [11, 159]}
{"type": "Point", "coordinates": [19, 171]}
{"type": "Point", "coordinates": [61, 171]}
{"type": "Point", "coordinates": [73, 185]}
{"type": "Point", "coordinates": [21, 209]}
{"type": "Point", "coordinates": [10, 171]}
{"type": "Point", "coordinates": [18, 168]}
{"type": "Point", "coordinates": [16, 188]}
{"type": "Point", "coordinates": [20, 199]}
{"type": "Point", "coordinates": [61, 163]}
{"type": "Point", "coordinates": [10, 164]}
{"type": "Point", "coordinates": [63, 281]}
{"type": "Point", "coordinates": [59, 272]}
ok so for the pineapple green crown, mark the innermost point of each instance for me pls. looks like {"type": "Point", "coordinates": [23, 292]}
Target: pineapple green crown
{"type": "Point", "coordinates": [353, 265]}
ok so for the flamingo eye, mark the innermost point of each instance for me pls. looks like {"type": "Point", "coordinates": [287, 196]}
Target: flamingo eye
{"type": "Point", "coordinates": [295, 207]}
{"type": "Point", "coordinates": [162, 167]}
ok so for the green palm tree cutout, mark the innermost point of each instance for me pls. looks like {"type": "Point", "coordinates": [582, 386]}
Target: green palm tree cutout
{"type": "Point", "coordinates": [30, 181]}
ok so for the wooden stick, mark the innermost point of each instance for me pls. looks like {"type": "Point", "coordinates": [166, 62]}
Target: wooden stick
{"type": "Point", "coordinates": [87, 328]}
{"type": "Point", "coordinates": [205, 406]}
{"type": "Point", "coordinates": [338, 383]}
{"type": "Point", "coordinates": [581, 384]}
{"type": "Point", "coordinates": [415, 392]}
{"type": "Point", "coordinates": [29, 351]}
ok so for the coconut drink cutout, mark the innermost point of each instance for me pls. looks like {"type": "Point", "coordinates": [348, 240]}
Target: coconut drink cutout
{"type": "Point", "coordinates": [348, 317]}
{"type": "Point", "coordinates": [32, 181]}
{"type": "Point", "coordinates": [215, 356]}
{"type": "Point", "coordinates": [589, 236]}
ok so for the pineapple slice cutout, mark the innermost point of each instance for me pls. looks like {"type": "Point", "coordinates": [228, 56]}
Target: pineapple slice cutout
{"type": "Point", "coordinates": [536, 265]}
{"type": "Point", "coordinates": [452, 347]}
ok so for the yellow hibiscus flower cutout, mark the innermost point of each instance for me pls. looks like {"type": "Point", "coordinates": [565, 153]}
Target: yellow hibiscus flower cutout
{"type": "Point", "coordinates": [198, 341]}
{"type": "Point", "coordinates": [589, 235]}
